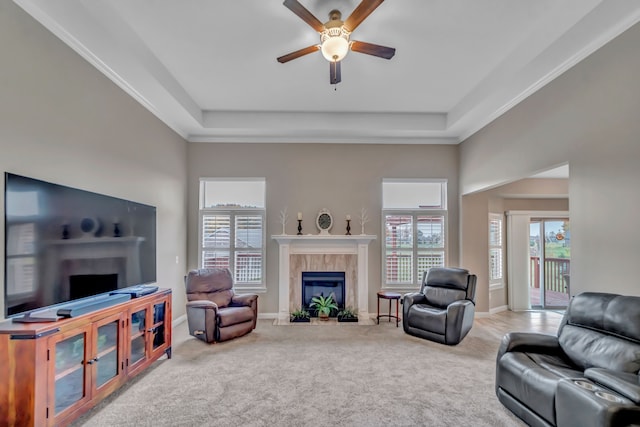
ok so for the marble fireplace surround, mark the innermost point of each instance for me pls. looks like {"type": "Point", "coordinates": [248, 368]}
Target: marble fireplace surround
{"type": "Point", "coordinates": [323, 253]}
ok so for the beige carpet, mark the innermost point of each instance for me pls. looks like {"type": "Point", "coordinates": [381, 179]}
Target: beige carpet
{"type": "Point", "coordinates": [314, 375]}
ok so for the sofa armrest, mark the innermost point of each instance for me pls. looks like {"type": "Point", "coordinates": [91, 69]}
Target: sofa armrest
{"type": "Point", "coordinates": [244, 300]}
{"type": "Point", "coordinates": [529, 342]}
{"type": "Point", "coordinates": [624, 383]}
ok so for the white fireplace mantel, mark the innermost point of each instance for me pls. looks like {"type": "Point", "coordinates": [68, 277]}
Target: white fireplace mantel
{"type": "Point", "coordinates": [318, 245]}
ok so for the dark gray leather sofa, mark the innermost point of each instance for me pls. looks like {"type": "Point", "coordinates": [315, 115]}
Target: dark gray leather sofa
{"type": "Point", "coordinates": [587, 375]}
{"type": "Point", "coordinates": [444, 309]}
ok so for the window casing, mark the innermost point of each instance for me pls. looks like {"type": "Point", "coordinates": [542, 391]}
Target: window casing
{"type": "Point", "coordinates": [496, 251]}
{"type": "Point", "coordinates": [232, 234]}
{"type": "Point", "coordinates": [415, 235]}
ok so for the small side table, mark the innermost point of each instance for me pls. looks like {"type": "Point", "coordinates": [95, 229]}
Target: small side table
{"type": "Point", "coordinates": [389, 296]}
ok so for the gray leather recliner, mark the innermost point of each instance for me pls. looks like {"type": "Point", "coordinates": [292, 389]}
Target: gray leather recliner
{"type": "Point", "coordinates": [444, 309]}
{"type": "Point", "coordinates": [214, 311]}
{"type": "Point", "coordinates": [587, 375]}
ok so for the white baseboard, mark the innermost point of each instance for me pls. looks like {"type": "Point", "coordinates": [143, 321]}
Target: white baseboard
{"type": "Point", "coordinates": [267, 316]}
{"type": "Point", "coordinates": [179, 320]}
{"type": "Point", "coordinates": [498, 309]}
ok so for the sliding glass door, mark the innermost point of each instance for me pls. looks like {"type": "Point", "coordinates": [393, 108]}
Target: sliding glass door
{"type": "Point", "coordinates": [550, 262]}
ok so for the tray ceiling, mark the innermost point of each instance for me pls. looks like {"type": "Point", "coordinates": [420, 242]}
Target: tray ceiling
{"type": "Point", "coordinates": [208, 69]}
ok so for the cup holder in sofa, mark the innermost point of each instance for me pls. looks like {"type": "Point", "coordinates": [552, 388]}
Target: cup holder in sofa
{"type": "Point", "coordinates": [611, 397]}
{"type": "Point", "coordinates": [587, 385]}
{"type": "Point", "coordinates": [599, 391]}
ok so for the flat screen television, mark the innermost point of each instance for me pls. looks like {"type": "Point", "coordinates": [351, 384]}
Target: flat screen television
{"type": "Point", "coordinates": [63, 244]}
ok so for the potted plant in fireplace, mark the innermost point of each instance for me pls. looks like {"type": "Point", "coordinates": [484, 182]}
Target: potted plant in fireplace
{"type": "Point", "coordinates": [348, 314]}
{"type": "Point", "coordinates": [323, 306]}
{"type": "Point", "coordinates": [299, 315]}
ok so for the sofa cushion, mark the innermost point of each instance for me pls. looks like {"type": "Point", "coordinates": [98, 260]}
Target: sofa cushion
{"type": "Point", "coordinates": [435, 321]}
{"type": "Point", "coordinates": [589, 348]}
{"type": "Point", "coordinates": [610, 313]}
{"type": "Point", "coordinates": [555, 364]}
{"type": "Point", "coordinates": [442, 297]}
{"type": "Point", "coordinates": [234, 315]}
{"type": "Point", "coordinates": [447, 277]}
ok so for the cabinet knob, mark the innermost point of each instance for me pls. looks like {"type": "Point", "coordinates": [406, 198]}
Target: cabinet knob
{"type": "Point", "coordinates": [91, 361]}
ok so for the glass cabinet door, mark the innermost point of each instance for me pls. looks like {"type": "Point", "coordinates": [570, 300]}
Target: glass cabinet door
{"type": "Point", "coordinates": [137, 336]}
{"type": "Point", "coordinates": [106, 357]}
{"type": "Point", "coordinates": [70, 372]}
{"type": "Point", "coordinates": [158, 325]}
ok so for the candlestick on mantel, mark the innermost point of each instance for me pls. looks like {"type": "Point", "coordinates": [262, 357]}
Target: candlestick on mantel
{"type": "Point", "coordinates": [299, 226]}
{"type": "Point", "coordinates": [348, 226]}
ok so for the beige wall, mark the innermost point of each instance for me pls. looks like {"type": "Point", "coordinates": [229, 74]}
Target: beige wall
{"type": "Point", "coordinates": [588, 118]}
{"type": "Point", "coordinates": [63, 121]}
{"type": "Point", "coordinates": [309, 177]}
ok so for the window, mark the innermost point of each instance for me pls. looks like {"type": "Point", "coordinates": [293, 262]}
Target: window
{"type": "Point", "coordinates": [415, 219]}
{"type": "Point", "coordinates": [496, 270]}
{"type": "Point", "coordinates": [232, 228]}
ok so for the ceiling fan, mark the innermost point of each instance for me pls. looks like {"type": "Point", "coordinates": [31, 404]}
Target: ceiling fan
{"type": "Point", "coordinates": [334, 36]}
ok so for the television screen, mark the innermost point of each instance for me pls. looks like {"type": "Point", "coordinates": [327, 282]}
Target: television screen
{"type": "Point", "coordinates": [63, 243]}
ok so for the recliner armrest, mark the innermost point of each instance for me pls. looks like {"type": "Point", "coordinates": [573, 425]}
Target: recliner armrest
{"type": "Point", "coordinates": [413, 298]}
{"type": "Point", "coordinates": [458, 305]}
{"type": "Point", "coordinates": [529, 342]}
{"type": "Point", "coordinates": [202, 319]}
{"type": "Point", "coordinates": [624, 383]}
{"type": "Point", "coordinates": [244, 300]}
{"type": "Point", "coordinates": [202, 304]}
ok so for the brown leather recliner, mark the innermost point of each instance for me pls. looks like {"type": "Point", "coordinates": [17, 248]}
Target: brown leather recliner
{"type": "Point", "coordinates": [214, 312]}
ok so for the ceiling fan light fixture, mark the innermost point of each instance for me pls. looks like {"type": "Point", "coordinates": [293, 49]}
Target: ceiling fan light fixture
{"type": "Point", "coordinates": [334, 43]}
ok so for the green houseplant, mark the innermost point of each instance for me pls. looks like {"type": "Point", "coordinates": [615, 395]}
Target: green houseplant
{"type": "Point", "coordinates": [323, 305]}
{"type": "Point", "coordinates": [299, 315]}
{"type": "Point", "coordinates": [348, 314]}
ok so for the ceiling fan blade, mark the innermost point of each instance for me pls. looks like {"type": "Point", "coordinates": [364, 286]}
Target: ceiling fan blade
{"type": "Point", "coordinates": [359, 14]}
{"type": "Point", "coordinates": [298, 53]}
{"type": "Point", "coordinates": [304, 14]}
{"type": "Point", "coordinates": [373, 49]}
{"type": "Point", "coordinates": [334, 73]}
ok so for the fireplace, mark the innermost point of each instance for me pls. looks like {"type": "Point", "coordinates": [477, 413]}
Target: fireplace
{"type": "Point", "coordinates": [323, 253]}
{"type": "Point", "coordinates": [323, 283]}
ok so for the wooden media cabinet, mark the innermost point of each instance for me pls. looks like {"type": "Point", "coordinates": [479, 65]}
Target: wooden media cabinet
{"type": "Point", "coordinates": [53, 372]}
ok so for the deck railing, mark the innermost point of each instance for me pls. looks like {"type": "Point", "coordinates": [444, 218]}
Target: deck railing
{"type": "Point", "coordinates": [556, 273]}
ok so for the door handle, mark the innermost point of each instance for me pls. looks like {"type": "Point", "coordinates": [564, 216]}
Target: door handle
{"type": "Point", "coordinates": [92, 361]}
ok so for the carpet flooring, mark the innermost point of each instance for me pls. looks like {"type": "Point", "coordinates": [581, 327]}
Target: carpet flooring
{"type": "Point", "coordinates": [314, 375]}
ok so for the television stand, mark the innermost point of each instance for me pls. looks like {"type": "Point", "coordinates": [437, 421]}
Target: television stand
{"type": "Point", "coordinates": [53, 372]}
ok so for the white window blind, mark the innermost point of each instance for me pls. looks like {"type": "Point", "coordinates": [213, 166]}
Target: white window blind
{"type": "Point", "coordinates": [496, 270]}
{"type": "Point", "coordinates": [232, 228]}
{"type": "Point", "coordinates": [415, 218]}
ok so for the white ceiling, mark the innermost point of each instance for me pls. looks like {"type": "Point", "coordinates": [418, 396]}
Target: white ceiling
{"type": "Point", "coordinates": [208, 68]}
